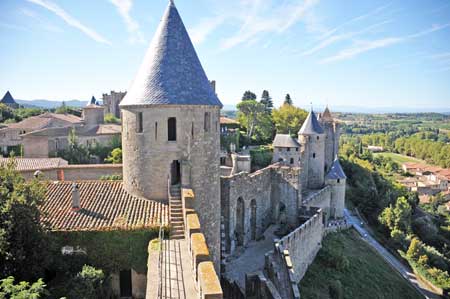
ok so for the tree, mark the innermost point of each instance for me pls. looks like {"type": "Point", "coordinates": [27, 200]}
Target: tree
{"type": "Point", "coordinates": [24, 244]}
{"type": "Point", "coordinates": [288, 100]}
{"type": "Point", "coordinates": [115, 157]}
{"type": "Point", "coordinates": [111, 119]}
{"type": "Point", "coordinates": [266, 100]}
{"type": "Point", "coordinates": [23, 290]}
{"type": "Point", "coordinates": [88, 284]}
{"type": "Point", "coordinates": [415, 249]}
{"type": "Point", "coordinates": [62, 109]}
{"type": "Point", "coordinates": [248, 112]}
{"type": "Point", "coordinates": [75, 153]}
{"type": "Point", "coordinates": [288, 119]}
{"type": "Point", "coordinates": [248, 96]}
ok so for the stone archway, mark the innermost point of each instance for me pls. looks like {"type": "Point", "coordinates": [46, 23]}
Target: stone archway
{"type": "Point", "coordinates": [240, 222]}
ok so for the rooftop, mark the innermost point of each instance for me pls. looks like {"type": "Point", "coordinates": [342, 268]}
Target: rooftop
{"type": "Point", "coordinates": [46, 120]}
{"type": "Point", "coordinates": [171, 73]}
{"type": "Point", "coordinates": [336, 172]}
{"type": "Point", "coordinates": [27, 164]}
{"type": "Point", "coordinates": [285, 140]}
{"type": "Point", "coordinates": [95, 130]}
{"type": "Point", "coordinates": [228, 121]}
{"type": "Point", "coordinates": [8, 99]}
{"type": "Point", "coordinates": [104, 205]}
{"type": "Point", "coordinates": [311, 125]}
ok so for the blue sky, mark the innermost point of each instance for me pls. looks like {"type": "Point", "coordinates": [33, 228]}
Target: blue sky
{"type": "Point", "coordinates": [341, 52]}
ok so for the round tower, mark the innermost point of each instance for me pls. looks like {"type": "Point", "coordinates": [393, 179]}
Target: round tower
{"type": "Point", "coordinates": [171, 131]}
{"type": "Point", "coordinates": [312, 140]}
{"type": "Point", "coordinates": [336, 178]}
{"type": "Point", "coordinates": [93, 113]}
{"type": "Point", "coordinates": [327, 122]}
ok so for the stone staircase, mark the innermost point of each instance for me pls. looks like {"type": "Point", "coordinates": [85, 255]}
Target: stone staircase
{"type": "Point", "coordinates": [176, 213]}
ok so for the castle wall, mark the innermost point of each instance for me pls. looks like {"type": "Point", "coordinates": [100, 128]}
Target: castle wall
{"type": "Point", "coordinates": [282, 155]}
{"type": "Point", "coordinates": [337, 200]}
{"type": "Point", "coordinates": [319, 199]}
{"type": "Point", "coordinates": [147, 159]}
{"type": "Point", "coordinates": [303, 243]}
{"type": "Point", "coordinates": [274, 190]}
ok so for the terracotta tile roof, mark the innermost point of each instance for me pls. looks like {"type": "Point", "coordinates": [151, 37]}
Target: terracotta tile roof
{"type": "Point", "coordinates": [108, 129]}
{"type": "Point", "coordinates": [23, 164]}
{"type": "Point", "coordinates": [228, 121]}
{"type": "Point", "coordinates": [105, 205]}
{"type": "Point", "coordinates": [45, 120]}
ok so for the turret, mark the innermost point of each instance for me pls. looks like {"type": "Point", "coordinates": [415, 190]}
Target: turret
{"type": "Point", "coordinates": [336, 178]}
{"type": "Point", "coordinates": [171, 133]}
{"type": "Point", "coordinates": [331, 137]}
{"type": "Point", "coordinates": [312, 141]}
{"type": "Point", "coordinates": [93, 113]}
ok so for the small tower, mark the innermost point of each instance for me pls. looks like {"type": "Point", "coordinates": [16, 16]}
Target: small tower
{"type": "Point", "coordinates": [171, 132]}
{"type": "Point", "coordinates": [328, 125]}
{"type": "Point", "coordinates": [286, 150]}
{"type": "Point", "coordinates": [9, 101]}
{"type": "Point", "coordinates": [93, 113]}
{"type": "Point", "coordinates": [312, 141]}
{"type": "Point", "coordinates": [336, 178]}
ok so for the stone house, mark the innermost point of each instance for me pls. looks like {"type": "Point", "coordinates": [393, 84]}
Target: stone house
{"type": "Point", "coordinates": [10, 135]}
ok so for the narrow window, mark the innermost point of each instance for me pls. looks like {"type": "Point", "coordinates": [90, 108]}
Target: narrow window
{"type": "Point", "coordinates": [156, 130]}
{"type": "Point", "coordinates": [338, 180]}
{"type": "Point", "coordinates": [207, 121]}
{"type": "Point", "coordinates": [317, 137]}
{"type": "Point", "coordinates": [288, 149]}
{"type": "Point", "coordinates": [139, 126]}
{"type": "Point", "coordinates": [192, 130]}
{"type": "Point", "coordinates": [314, 155]}
{"type": "Point", "coordinates": [296, 149]}
{"type": "Point", "coordinates": [172, 129]}
{"type": "Point", "coordinates": [292, 160]}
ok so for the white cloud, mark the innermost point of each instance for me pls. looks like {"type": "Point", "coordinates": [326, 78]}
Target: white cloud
{"type": "Point", "coordinates": [40, 21]}
{"type": "Point", "coordinates": [70, 20]}
{"type": "Point", "coordinates": [206, 26]}
{"type": "Point", "coordinates": [262, 17]}
{"type": "Point", "coordinates": [124, 8]}
{"type": "Point", "coordinates": [362, 46]}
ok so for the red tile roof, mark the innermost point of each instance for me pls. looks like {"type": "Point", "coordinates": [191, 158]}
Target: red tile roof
{"type": "Point", "coordinates": [226, 120]}
{"type": "Point", "coordinates": [105, 205]}
{"type": "Point", "coordinates": [28, 164]}
{"type": "Point", "coordinates": [45, 120]}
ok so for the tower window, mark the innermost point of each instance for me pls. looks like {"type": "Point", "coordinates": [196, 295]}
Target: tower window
{"type": "Point", "coordinates": [338, 180]}
{"type": "Point", "coordinates": [288, 149]}
{"type": "Point", "coordinates": [139, 125]}
{"type": "Point", "coordinates": [314, 155]}
{"type": "Point", "coordinates": [292, 160]}
{"type": "Point", "coordinates": [156, 130]}
{"type": "Point", "coordinates": [207, 123]}
{"type": "Point", "coordinates": [318, 137]}
{"type": "Point", "coordinates": [172, 129]}
{"type": "Point", "coordinates": [192, 130]}
{"type": "Point", "coordinates": [296, 149]}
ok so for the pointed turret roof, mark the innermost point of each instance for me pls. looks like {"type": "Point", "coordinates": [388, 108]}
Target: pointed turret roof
{"type": "Point", "coordinates": [326, 115]}
{"type": "Point", "coordinates": [311, 125]}
{"type": "Point", "coordinates": [93, 101]}
{"type": "Point", "coordinates": [171, 73]}
{"type": "Point", "coordinates": [8, 99]}
{"type": "Point", "coordinates": [336, 171]}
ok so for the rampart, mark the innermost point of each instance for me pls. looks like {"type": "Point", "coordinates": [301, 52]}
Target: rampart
{"type": "Point", "coordinates": [208, 284]}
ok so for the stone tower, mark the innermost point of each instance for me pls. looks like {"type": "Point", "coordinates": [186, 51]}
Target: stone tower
{"type": "Point", "coordinates": [171, 131]}
{"type": "Point", "coordinates": [286, 150]}
{"type": "Point", "coordinates": [312, 141]}
{"type": "Point", "coordinates": [336, 178]}
{"type": "Point", "coordinates": [332, 135]}
{"type": "Point", "coordinates": [93, 113]}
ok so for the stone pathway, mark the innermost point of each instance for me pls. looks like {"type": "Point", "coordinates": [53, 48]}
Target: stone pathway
{"type": "Point", "coordinates": [252, 259]}
{"type": "Point", "coordinates": [177, 280]}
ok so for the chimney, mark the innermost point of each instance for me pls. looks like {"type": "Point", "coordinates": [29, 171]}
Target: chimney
{"type": "Point", "coordinates": [213, 85]}
{"type": "Point", "coordinates": [75, 198]}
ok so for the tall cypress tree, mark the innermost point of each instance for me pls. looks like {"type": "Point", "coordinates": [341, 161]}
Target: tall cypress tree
{"type": "Point", "coordinates": [288, 100]}
{"type": "Point", "coordinates": [266, 100]}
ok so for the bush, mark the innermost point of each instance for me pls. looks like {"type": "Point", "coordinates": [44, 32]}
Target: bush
{"type": "Point", "coordinates": [335, 289]}
{"type": "Point", "coordinates": [261, 157]}
{"type": "Point", "coordinates": [111, 119]}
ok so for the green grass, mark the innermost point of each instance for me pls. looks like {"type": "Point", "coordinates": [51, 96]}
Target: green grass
{"type": "Point", "coordinates": [366, 275]}
{"type": "Point", "coordinates": [400, 159]}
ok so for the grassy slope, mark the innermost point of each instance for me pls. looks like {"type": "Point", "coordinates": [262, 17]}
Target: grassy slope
{"type": "Point", "coordinates": [400, 159]}
{"type": "Point", "coordinates": [368, 275]}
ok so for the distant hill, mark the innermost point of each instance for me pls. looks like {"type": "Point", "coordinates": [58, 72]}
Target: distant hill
{"type": "Point", "coordinates": [46, 104]}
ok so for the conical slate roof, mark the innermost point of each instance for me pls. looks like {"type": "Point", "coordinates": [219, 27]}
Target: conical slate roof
{"type": "Point", "coordinates": [336, 171]}
{"type": "Point", "coordinates": [311, 126]}
{"type": "Point", "coordinates": [8, 99]}
{"type": "Point", "coordinates": [171, 73]}
{"type": "Point", "coordinates": [93, 101]}
{"type": "Point", "coordinates": [285, 140]}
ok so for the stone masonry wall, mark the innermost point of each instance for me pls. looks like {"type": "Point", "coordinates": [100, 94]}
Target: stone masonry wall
{"type": "Point", "coordinates": [303, 243]}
